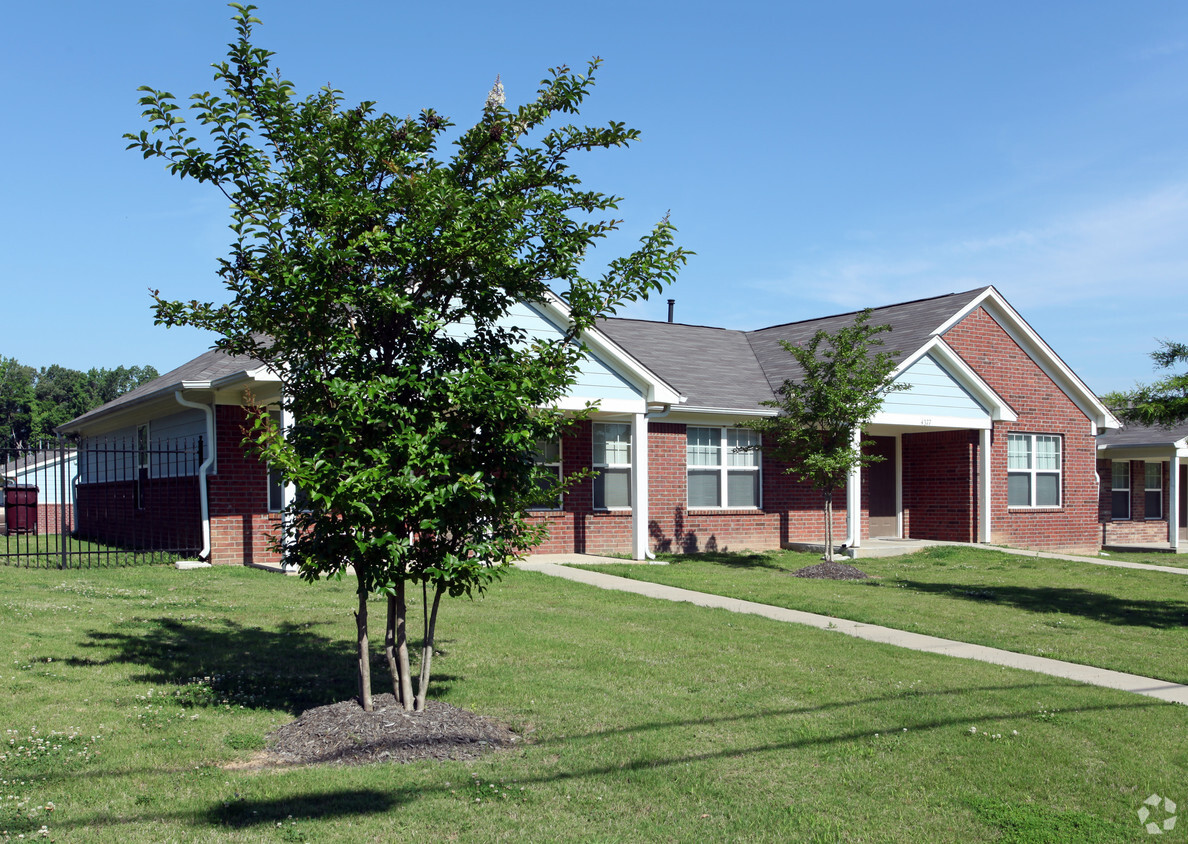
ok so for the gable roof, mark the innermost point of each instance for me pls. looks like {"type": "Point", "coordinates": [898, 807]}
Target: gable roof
{"type": "Point", "coordinates": [210, 369]}
{"type": "Point", "coordinates": [724, 368]}
{"type": "Point", "coordinates": [1134, 435]}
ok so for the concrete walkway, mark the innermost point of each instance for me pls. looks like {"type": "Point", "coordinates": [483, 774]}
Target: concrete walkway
{"type": "Point", "coordinates": [552, 564]}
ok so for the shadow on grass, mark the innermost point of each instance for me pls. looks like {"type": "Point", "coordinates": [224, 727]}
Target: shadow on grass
{"type": "Point", "coordinates": [733, 559]}
{"type": "Point", "coordinates": [290, 668]}
{"type": "Point", "coordinates": [1098, 606]}
{"type": "Point", "coordinates": [240, 813]}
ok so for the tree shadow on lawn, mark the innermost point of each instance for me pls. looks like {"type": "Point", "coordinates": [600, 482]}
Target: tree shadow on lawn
{"type": "Point", "coordinates": [733, 559]}
{"type": "Point", "coordinates": [290, 668]}
{"type": "Point", "coordinates": [1109, 609]}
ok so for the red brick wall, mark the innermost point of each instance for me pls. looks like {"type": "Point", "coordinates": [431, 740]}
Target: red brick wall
{"type": "Point", "coordinates": [1042, 408]}
{"type": "Point", "coordinates": [240, 525]}
{"type": "Point", "coordinates": [170, 520]}
{"type": "Point", "coordinates": [1137, 528]}
{"type": "Point", "coordinates": [940, 485]}
{"type": "Point", "coordinates": [792, 511]}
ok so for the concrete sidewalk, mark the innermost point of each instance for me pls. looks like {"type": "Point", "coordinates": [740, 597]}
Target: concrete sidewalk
{"type": "Point", "coordinates": [1161, 689]}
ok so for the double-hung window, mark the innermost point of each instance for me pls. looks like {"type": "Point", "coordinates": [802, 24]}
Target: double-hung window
{"type": "Point", "coordinates": [1120, 490]}
{"type": "Point", "coordinates": [547, 457]}
{"type": "Point", "coordinates": [1153, 491]}
{"type": "Point", "coordinates": [723, 467]}
{"type": "Point", "coordinates": [612, 462]}
{"type": "Point", "coordinates": [1033, 470]}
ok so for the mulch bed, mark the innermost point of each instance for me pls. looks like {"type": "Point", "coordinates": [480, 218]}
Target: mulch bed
{"type": "Point", "coordinates": [832, 571]}
{"type": "Point", "coordinates": [342, 733]}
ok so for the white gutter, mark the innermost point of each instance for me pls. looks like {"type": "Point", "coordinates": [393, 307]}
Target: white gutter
{"type": "Point", "coordinates": [202, 470]}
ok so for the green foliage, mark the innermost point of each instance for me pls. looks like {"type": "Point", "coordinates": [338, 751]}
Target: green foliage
{"type": "Point", "coordinates": [843, 382]}
{"type": "Point", "coordinates": [1164, 402]}
{"type": "Point", "coordinates": [374, 273]}
{"type": "Point", "coordinates": [34, 402]}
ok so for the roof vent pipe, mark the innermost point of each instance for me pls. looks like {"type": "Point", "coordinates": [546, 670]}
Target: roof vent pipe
{"type": "Point", "coordinates": [671, 304]}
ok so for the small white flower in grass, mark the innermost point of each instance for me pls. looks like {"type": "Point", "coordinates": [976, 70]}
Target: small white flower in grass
{"type": "Point", "coordinates": [973, 730]}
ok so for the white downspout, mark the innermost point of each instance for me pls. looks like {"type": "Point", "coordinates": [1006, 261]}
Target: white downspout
{"type": "Point", "coordinates": [202, 470]}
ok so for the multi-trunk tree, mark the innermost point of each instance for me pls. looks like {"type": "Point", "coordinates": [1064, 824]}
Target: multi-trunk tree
{"type": "Point", "coordinates": [374, 271]}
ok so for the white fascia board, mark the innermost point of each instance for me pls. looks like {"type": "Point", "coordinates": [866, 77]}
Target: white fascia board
{"type": "Point", "coordinates": [655, 390]}
{"type": "Point", "coordinates": [575, 403]}
{"type": "Point", "coordinates": [940, 423]}
{"type": "Point", "coordinates": [716, 416]}
{"type": "Point", "coordinates": [1040, 352]}
{"type": "Point", "coordinates": [953, 363]}
{"type": "Point", "coordinates": [1141, 451]}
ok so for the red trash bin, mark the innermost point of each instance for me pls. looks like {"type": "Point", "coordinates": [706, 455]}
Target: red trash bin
{"type": "Point", "coordinates": [20, 508]}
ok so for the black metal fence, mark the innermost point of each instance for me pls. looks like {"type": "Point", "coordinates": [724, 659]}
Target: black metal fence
{"type": "Point", "coordinates": [100, 503]}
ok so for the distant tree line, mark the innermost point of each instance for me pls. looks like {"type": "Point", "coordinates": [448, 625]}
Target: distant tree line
{"type": "Point", "coordinates": [35, 401]}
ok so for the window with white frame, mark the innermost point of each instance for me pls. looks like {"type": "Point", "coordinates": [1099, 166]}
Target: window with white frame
{"type": "Point", "coordinates": [546, 455]}
{"type": "Point", "coordinates": [1033, 470]}
{"type": "Point", "coordinates": [612, 461]}
{"type": "Point", "coordinates": [1120, 490]}
{"type": "Point", "coordinates": [1153, 491]}
{"type": "Point", "coordinates": [723, 467]}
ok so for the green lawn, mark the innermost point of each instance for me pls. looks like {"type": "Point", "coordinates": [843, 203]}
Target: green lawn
{"type": "Point", "coordinates": [45, 551]}
{"type": "Point", "coordinates": [1155, 558]}
{"type": "Point", "coordinates": [1125, 619]}
{"type": "Point", "coordinates": [129, 694]}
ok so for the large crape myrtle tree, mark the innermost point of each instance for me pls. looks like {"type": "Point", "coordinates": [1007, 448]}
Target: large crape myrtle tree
{"type": "Point", "coordinates": [374, 272]}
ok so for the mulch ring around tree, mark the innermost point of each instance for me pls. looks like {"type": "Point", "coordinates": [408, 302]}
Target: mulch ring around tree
{"type": "Point", "coordinates": [342, 733]}
{"type": "Point", "coordinates": [832, 571]}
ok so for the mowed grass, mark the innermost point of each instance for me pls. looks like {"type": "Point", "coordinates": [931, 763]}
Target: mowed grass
{"type": "Point", "coordinates": [1154, 558]}
{"type": "Point", "coordinates": [1123, 619]}
{"type": "Point", "coordinates": [129, 698]}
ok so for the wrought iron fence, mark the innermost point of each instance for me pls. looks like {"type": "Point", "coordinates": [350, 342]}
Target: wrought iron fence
{"type": "Point", "coordinates": [100, 503]}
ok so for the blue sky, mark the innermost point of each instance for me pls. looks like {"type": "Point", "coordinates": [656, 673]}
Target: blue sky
{"type": "Point", "coordinates": [819, 157]}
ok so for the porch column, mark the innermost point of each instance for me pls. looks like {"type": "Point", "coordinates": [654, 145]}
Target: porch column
{"type": "Point", "coordinates": [854, 499]}
{"type": "Point", "coordinates": [639, 486]}
{"type": "Point", "coordinates": [289, 490]}
{"type": "Point", "coordinates": [1173, 503]}
{"type": "Point", "coordinates": [985, 486]}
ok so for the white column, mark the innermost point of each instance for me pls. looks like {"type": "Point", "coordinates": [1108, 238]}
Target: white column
{"type": "Point", "coordinates": [854, 499]}
{"type": "Point", "coordinates": [289, 490]}
{"type": "Point", "coordinates": [1173, 502]}
{"type": "Point", "coordinates": [639, 486]}
{"type": "Point", "coordinates": [985, 487]}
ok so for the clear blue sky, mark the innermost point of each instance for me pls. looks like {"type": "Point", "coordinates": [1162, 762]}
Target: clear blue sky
{"type": "Point", "coordinates": [819, 157]}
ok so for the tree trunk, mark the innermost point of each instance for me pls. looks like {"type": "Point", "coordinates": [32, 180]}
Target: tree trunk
{"type": "Point", "coordinates": [829, 526]}
{"type": "Point", "coordinates": [364, 653]}
{"type": "Point", "coordinates": [427, 648]}
{"type": "Point", "coordinates": [390, 648]}
{"type": "Point", "coordinates": [403, 674]}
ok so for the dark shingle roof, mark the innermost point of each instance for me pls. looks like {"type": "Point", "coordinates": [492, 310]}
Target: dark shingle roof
{"type": "Point", "coordinates": [1144, 435]}
{"type": "Point", "coordinates": [717, 367]}
{"type": "Point", "coordinates": [209, 366]}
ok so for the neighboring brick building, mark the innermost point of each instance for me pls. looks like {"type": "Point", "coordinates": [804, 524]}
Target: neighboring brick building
{"type": "Point", "coordinates": [1144, 475]}
{"type": "Point", "coordinates": [994, 442]}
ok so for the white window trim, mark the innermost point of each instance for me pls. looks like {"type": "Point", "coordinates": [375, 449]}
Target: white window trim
{"type": "Point", "coordinates": [559, 504]}
{"type": "Point", "coordinates": [1128, 490]}
{"type": "Point", "coordinates": [1033, 472]}
{"type": "Point", "coordinates": [1147, 490]}
{"type": "Point", "coordinates": [724, 468]}
{"type": "Point", "coordinates": [628, 467]}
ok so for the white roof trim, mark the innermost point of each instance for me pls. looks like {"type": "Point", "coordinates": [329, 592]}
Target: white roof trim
{"type": "Point", "coordinates": [1039, 351]}
{"type": "Point", "coordinates": [654, 389]}
{"type": "Point", "coordinates": [956, 367]}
